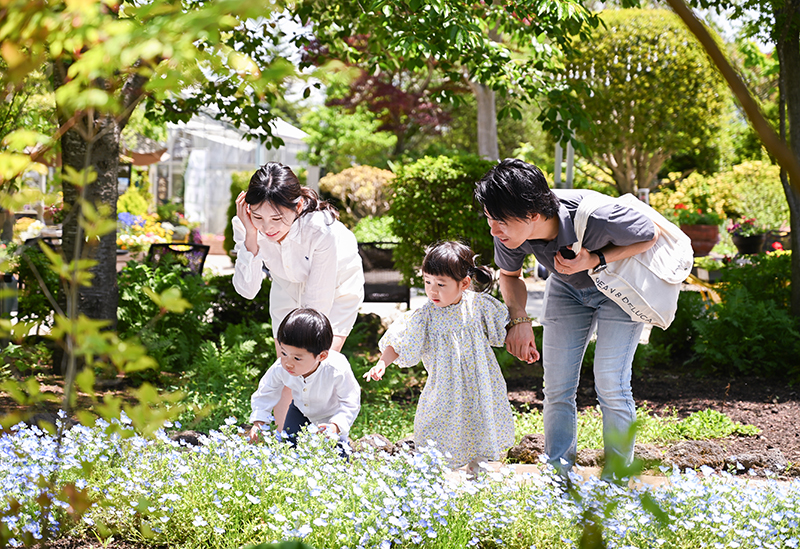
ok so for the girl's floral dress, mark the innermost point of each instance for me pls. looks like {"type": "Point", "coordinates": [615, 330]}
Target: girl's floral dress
{"type": "Point", "coordinates": [464, 407]}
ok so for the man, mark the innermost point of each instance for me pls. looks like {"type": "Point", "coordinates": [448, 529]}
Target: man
{"type": "Point", "coordinates": [527, 217]}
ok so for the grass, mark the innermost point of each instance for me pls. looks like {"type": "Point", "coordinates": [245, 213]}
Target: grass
{"type": "Point", "coordinates": [228, 494]}
{"type": "Point", "coordinates": [396, 421]}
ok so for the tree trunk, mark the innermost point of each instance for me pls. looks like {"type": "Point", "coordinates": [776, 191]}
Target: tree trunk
{"type": "Point", "coordinates": [92, 141]}
{"type": "Point", "coordinates": [788, 49]}
{"type": "Point", "coordinates": [98, 301]}
{"type": "Point", "coordinates": [487, 121]}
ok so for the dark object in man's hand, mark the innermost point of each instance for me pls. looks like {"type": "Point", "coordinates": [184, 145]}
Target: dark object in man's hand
{"type": "Point", "coordinates": [566, 253]}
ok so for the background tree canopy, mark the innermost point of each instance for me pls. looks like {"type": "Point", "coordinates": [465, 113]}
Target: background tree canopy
{"type": "Point", "coordinates": [653, 93]}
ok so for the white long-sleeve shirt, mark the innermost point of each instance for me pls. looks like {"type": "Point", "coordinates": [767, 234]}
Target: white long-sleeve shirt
{"type": "Point", "coordinates": [330, 395]}
{"type": "Point", "coordinates": [315, 265]}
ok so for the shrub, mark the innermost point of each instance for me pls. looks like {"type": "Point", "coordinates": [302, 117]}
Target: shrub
{"type": "Point", "coordinates": [759, 193]}
{"type": "Point", "coordinates": [695, 192]}
{"type": "Point", "coordinates": [231, 308]}
{"type": "Point", "coordinates": [375, 229]}
{"type": "Point", "coordinates": [675, 343]}
{"type": "Point", "coordinates": [765, 276]}
{"type": "Point", "coordinates": [132, 201]}
{"type": "Point", "coordinates": [748, 336]}
{"type": "Point", "coordinates": [175, 339]}
{"type": "Point", "coordinates": [239, 182]}
{"type": "Point", "coordinates": [360, 191]}
{"type": "Point", "coordinates": [33, 304]}
{"type": "Point", "coordinates": [434, 200]}
{"type": "Point", "coordinates": [224, 375]}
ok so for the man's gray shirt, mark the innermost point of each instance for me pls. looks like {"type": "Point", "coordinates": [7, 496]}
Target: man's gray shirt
{"type": "Point", "coordinates": [609, 224]}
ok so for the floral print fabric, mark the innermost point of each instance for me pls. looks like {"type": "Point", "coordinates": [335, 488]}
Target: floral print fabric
{"type": "Point", "coordinates": [464, 407]}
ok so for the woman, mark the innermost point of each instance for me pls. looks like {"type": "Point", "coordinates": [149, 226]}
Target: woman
{"type": "Point", "coordinates": [312, 258]}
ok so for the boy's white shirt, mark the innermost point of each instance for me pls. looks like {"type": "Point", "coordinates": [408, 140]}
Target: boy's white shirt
{"type": "Point", "coordinates": [330, 395]}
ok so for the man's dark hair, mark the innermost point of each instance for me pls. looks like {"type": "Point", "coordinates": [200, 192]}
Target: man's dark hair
{"type": "Point", "coordinates": [516, 189]}
{"type": "Point", "coordinates": [306, 329]}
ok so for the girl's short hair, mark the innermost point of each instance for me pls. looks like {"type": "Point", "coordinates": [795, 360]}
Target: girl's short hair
{"type": "Point", "coordinates": [277, 184]}
{"type": "Point", "coordinates": [306, 329]}
{"type": "Point", "coordinates": [456, 260]}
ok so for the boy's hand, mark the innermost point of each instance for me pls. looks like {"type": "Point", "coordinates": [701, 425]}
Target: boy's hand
{"type": "Point", "coordinates": [255, 431]}
{"type": "Point", "coordinates": [329, 428]}
{"type": "Point", "coordinates": [376, 372]}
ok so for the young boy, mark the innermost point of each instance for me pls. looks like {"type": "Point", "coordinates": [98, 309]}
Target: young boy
{"type": "Point", "coordinates": [324, 390]}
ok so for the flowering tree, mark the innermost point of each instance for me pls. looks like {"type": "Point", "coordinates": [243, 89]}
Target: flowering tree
{"type": "Point", "coordinates": [653, 92]}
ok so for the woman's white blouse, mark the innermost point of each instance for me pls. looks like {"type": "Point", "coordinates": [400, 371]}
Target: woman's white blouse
{"type": "Point", "coordinates": [330, 395]}
{"type": "Point", "coordinates": [318, 255]}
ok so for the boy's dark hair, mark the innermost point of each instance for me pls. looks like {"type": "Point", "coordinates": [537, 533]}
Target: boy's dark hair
{"type": "Point", "coordinates": [516, 189]}
{"type": "Point", "coordinates": [456, 260]}
{"type": "Point", "coordinates": [306, 329]}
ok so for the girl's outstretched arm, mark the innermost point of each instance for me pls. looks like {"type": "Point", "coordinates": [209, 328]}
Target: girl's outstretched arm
{"type": "Point", "coordinates": [388, 356]}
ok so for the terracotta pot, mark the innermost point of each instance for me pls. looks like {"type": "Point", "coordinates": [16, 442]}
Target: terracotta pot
{"type": "Point", "coordinates": [749, 244]}
{"type": "Point", "coordinates": [704, 237]}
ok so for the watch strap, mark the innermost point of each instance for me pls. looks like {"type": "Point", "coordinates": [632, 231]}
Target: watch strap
{"type": "Point", "coordinates": [602, 264]}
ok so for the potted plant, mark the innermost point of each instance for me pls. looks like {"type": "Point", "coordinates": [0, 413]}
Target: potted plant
{"type": "Point", "coordinates": [700, 224]}
{"type": "Point", "coordinates": [747, 235]}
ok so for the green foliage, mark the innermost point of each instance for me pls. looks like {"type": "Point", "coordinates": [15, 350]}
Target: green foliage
{"type": "Point", "coordinates": [223, 376]}
{"type": "Point", "coordinates": [239, 182]}
{"type": "Point", "coordinates": [695, 192]}
{"type": "Point", "coordinates": [456, 46]}
{"type": "Point", "coordinates": [132, 201]}
{"type": "Point", "coordinates": [676, 342]}
{"type": "Point", "coordinates": [758, 192]}
{"type": "Point", "coordinates": [175, 338]}
{"type": "Point", "coordinates": [33, 303]}
{"type": "Point", "coordinates": [375, 229]}
{"type": "Point", "coordinates": [765, 276]}
{"type": "Point", "coordinates": [338, 139]}
{"type": "Point", "coordinates": [360, 191]}
{"type": "Point", "coordinates": [751, 332]}
{"type": "Point", "coordinates": [709, 423]}
{"type": "Point", "coordinates": [24, 358]}
{"type": "Point", "coordinates": [749, 337]}
{"type": "Point", "coordinates": [650, 428]}
{"type": "Point", "coordinates": [434, 200]}
{"type": "Point", "coordinates": [169, 212]}
{"type": "Point", "coordinates": [229, 307]}
{"type": "Point", "coordinates": [654, 92]}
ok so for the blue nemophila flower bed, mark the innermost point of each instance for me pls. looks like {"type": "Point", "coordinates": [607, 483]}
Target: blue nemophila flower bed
{"type": "Point", "coordinates": [227, 493]}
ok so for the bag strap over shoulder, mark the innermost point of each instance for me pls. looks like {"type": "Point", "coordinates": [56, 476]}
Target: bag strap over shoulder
{"type": "Point", "coordinates": [588, 205]}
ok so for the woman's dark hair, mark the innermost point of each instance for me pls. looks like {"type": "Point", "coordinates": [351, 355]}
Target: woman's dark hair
{"type": "Point", "coordinates": [307, 329]}
{"type": "Point", "coordinates": [456, 260]}
{"type": "Point", "coordinates": [277, 184]}
{"type": "Point", "coordinates": [516, 189]}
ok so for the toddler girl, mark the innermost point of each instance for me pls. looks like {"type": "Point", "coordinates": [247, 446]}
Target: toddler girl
{"type": "Point", "coordinates": [464, 407]}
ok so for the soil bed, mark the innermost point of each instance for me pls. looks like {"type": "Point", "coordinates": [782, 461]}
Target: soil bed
{"type": "Point", "coordinates": [772, 406]}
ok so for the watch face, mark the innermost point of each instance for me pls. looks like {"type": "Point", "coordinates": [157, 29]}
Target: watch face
{"type": "Point", "coordinates": [599, 268]}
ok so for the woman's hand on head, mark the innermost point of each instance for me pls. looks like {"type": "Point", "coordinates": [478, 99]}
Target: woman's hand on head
{"type": "Point", "coordinates": [243, 213]}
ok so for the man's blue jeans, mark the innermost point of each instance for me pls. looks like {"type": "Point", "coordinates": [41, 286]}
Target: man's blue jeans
{"type": "Point", "coordinates": [569, 317]}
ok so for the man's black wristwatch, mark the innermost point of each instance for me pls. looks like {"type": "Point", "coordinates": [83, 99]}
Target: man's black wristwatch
{"type": "Point", "coordinates": [603, 264]}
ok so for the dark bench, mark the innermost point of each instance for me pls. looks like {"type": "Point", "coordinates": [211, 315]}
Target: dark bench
{"type": "Point", "coordinates": [382, 282]}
